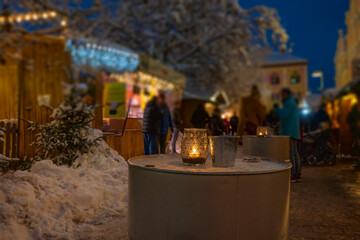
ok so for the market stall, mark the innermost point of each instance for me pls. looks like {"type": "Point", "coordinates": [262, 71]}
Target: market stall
{"type": "Point", "coordinates": [338, 108]}
{"type": "Point", "coordinates": [127, 81]}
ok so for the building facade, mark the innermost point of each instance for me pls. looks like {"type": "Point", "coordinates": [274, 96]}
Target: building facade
{"type": "Point", "coordinates": [347, 57]}
{"type": "Point", "coordinates": [283, 70]}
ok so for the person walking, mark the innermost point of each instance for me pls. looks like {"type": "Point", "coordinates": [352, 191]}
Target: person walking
{"type": "Point", "coordinates": [177, 125]}
{"type": "Point", "coordinates": [234, 122]}
{"type": "Point", "coordinates": [216, 123]}
{"type": "Point", "coordinates": [165, 123]}
{"type": "Point", "coordinates": [151, 119]}
{"type": "Point", "coordinates": [353, 120]}
{"type": "Point", "coordinates": [200, 118]}
{"type": "Point", "coordinates": [290, 126]}
{"type": "Point", "coordinates": [252, 113]}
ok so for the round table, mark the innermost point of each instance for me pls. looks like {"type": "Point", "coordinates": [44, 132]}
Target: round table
{"type": "Point", "coordinates": [273, 147]}
{"type": "Point", "coordinates": [168, 200]}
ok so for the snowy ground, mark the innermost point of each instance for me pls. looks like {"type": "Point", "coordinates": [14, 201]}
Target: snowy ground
{"type": "Point", "coordinates": [57, 202]}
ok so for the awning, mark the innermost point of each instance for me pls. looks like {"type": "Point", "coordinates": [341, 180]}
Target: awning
{"type": "Point", "coordinates": [156, 68]}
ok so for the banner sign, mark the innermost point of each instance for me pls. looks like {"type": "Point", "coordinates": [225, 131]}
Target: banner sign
{"type": "Point", "coordinates": [114, 100]}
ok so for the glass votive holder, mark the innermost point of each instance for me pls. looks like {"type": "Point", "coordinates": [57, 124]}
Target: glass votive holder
{"type": "Point", "coordinates": [194, 146]}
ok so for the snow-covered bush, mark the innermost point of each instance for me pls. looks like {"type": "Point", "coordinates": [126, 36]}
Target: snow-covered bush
{"type": "Point", "coordinates": [69, 135]}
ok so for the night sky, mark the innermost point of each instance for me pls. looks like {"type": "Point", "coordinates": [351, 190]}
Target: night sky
{"type": "Point", "coordinates": [313, 28]}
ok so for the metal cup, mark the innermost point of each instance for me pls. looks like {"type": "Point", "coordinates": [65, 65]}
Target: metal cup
{"type": "Point", "coordinates": [223, 150]}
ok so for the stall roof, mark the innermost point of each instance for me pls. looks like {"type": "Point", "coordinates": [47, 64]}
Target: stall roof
{"type": "Point", "coordinates": [156, 68]}
{"type": "Point", "coordinates": [207, 94]}
{"type": "Point", "coordinates": [277, 58]}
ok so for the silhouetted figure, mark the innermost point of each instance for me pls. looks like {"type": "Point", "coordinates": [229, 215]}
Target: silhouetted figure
{"type": "Point", "coordinates": [165, 123]}
{"type": "Point", "coordinates": [177, 125]}
{"type": "Point", "coordinates": [216, 123]}
{"type": "Point", "coordinates": [234, 123]}
{"type": "Point", "coordinates": [354, 121]}
{"type": "Point", "coordinates": [290, 126]}
{"type": "Point", "coordinates": [152, 117]}
{"type": "Point", "coordinates": [200, 117]}
{"type": "Point", "coordinates": [252, 113]}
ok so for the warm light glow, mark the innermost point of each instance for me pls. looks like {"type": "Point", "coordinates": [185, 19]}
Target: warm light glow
{"type": "Point", "coordinates": [194, 153]}
{"type": "Point", "coordinates": [45, 16]}
{"type": "Point", "coordinates": [53, 14]}
{"type": "Point", "coordinates": [35, 17]}
{"type": "Point", "coordinates": [63, 23]}
{"type": "Point", "coordinates": [19, 19]}
{"type": "Point", "coordinates": [2, 19]}
{"type": "Point", "coordinates": [27, 17]}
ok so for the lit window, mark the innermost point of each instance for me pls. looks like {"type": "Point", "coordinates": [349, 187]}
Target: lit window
{"type": "Point", "coordinates": [275, 79]}
{"type": "Point", "coordinates": [295, 78]}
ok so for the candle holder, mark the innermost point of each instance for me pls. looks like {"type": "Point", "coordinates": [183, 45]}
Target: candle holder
{"type": "Point", "coordinates": [264, 131]}
{"type": "Point", "coordinates": [223, 150]}
{"type": "Point", "coordinates": [194, 146]}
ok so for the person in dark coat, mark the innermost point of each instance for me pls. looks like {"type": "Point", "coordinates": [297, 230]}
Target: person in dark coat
{"type": "Point", "coordinates": [216, 123]}
{"type": "Point", "coordinates": [165, 123]}
{"type": "Point", "coordinates": [200, 117]}
{"type": "Point", "coordinates": [152, 117]}
{"type": "Point", "coordinates": [234, 123]}
{"type": "Point", "coordinates": [177, 124]}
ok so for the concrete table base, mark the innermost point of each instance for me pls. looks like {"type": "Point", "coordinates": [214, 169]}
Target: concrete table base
{"type": "Point", "coordinates": [175, 202]}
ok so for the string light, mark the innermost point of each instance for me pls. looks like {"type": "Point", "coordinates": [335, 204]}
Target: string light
{"type": "Point", "coordinates": [33, 17]}
{"type": "Point", "coordinates": [98, 56]}
{"type": "Point", "coordinates": [63, 22]}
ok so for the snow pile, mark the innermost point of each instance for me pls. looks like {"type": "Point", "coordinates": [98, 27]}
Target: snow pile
{"type": "Point", "coordinates": [58, 202]}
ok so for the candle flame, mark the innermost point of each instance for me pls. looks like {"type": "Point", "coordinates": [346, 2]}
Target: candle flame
{"type": "Point", "coordinates": [194, 150]}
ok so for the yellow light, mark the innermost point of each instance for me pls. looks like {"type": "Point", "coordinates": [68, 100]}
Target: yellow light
{"type": "Point", "coordinates": [35, 17]}
{"type": "Point", "coordinates": [53, 14]}
{"type": "Point", "coordinates": [19, 19]}
{"type": "Point", "coordinates": [45, 16]}
{"type": "Point", "coordinates": [27, 17]}
{"type": "Point", "coordinates": [2, 19]}
{"type": "Point", "coordinates": [63, 23]}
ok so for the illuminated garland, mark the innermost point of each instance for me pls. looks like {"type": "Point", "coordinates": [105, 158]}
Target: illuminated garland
{"type": "Point", "coordinates": [99, 56]}
{"type": "Point", "coordinates": [30, 17]}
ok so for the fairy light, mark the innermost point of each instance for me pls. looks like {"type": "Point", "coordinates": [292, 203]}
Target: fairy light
{"type": "Point", "coordinates": [53, 14]}
{"type": "Point", "coordinates": [19, 19]}
{"type": "Point", "coordinates": [63, 23]}
{"type": "Point", "coordinates": [102, 56]}
{"type": "Point", "coordinates": [27, 17]}
{"type": "Point", "coordinates": [35, 16]}
{"type": "Point", "coordinates": [45, 15]}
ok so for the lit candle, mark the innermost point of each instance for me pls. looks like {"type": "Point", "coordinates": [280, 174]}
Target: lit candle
{"type": "Point", "coordinates": [194, 153]}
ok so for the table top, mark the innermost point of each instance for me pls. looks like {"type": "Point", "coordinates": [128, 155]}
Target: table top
{"type": "Point", "coordinates": [172, 163]}
{"type": "Point", "coordinates": [265, 137]}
